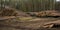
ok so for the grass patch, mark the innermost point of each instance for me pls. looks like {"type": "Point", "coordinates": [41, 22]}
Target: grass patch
{"type": "Point", "coordinates": [25, 18]}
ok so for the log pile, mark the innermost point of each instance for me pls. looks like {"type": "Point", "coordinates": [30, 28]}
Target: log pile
{"type": "Point", "coordinates": [8, 12]}
{"type": "Point", "coordinates": [11, 12]}
{"type": "Point", "coordinates": [48, 13]}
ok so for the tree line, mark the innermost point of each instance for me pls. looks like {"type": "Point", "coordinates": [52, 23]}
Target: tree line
{"type": "Point", "coordinates": [30, 5]}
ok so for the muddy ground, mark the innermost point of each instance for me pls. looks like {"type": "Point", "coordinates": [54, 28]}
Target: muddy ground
{"type": "Point", "coordinates": [24, 21]}
{"type": "Point", "coordinates": [32, 24]}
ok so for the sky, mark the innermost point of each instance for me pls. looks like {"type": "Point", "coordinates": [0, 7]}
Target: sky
{"type": "Point", "coordinates": [57, 0]}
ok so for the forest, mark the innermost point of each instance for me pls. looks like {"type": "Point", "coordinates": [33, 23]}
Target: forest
{"type": "Point", "coordinates": [29, 14]}
{"type": "Point", "coordinates": [31, 5]}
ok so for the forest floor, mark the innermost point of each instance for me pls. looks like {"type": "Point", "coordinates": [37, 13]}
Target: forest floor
{"type": "Point", "coordinates": [27, 22]}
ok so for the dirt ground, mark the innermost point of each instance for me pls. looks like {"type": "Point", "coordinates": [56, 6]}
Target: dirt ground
{"type": "Point", "coordinates": [27, 22]}
{"type": "Point", "coordinates": [33, 24]}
